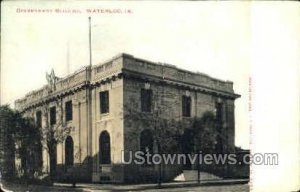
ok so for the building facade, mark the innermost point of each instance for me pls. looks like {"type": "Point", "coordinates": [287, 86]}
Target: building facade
{"type": "Point", "coordinates": [110, 107]}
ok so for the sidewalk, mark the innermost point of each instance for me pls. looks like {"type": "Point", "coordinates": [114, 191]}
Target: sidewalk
{"type": "Point", "coordinates": [17, 187]}
{"type": "Point", "coordinates": [140, 187]}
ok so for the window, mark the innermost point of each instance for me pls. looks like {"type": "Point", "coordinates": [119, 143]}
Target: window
{"type": "Point", "coordinates": [219, 119]}
{"type": "Point", "coordinates": [146, 141]}
{"type": "Point", "coordinates": [104, 147]}
{"type": "Point", "coordinates": [39, 119]}
{"type": "Point", "coordinates": [186, 106]}
{"type": "Point", "coordinates": [69, 151]}
{"type": "Point", "coordinates": [104, 102]}
{"type": "Point", "coordinates": [219, 115]}
{"type": "Point", "coordinates": [52, 115]}
{"type": "Point", "coordinates": [69, 111]}
{"type": "Point", "coordinates": [146, 100]}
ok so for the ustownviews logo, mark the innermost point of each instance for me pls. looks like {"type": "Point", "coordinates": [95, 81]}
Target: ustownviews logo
{"type": "Point", "coordinates": [141, 157]}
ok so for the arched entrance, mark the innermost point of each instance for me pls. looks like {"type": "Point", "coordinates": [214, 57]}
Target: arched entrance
{"type": "Point", "coordinates": [104, 148]}
{"type": "Point", "coordinates": [187, 146]}
{"type": "Point", "coordinates": [69, 151]}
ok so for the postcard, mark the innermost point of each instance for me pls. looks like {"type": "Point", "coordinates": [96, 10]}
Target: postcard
{"type": "Point", "coordinates": [150, 96]}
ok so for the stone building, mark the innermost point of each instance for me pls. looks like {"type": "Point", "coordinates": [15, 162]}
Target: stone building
{"type": "Point", "coordinates": [97, 103]}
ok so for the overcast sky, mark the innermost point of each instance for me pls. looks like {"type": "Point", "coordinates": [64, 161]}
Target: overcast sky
{"type": "Point", "coordinates": [212, 38]}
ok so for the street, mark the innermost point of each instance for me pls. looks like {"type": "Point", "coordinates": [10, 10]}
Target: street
{"type": "Point", "coordinates": [108, 188]}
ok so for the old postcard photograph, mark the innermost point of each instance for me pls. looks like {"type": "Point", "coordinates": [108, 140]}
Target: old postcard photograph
{"type": "Point", "coordinates": [149, 96]}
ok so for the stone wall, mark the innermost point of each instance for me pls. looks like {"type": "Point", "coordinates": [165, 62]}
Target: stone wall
{"type": "Point", "coordinates": [124, 76]}
{"type": "Point", "coordinates": [78, 126]}
{"type": "Point", "coordinates": [171, 72]}
{"type": "Point", "coordinates": [111, 122]}
{"type": "Point", "coordinates": [167, 99]}
{"type": "Point", "coordinates": [167, 102]}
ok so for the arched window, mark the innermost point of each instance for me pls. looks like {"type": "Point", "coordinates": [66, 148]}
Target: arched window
{"type": "Point", "coordinates": [69, 151]}
{"type": "Point", "coordinates": [146, 141]}
{"type": "Point", "coordinates": [104, 147]}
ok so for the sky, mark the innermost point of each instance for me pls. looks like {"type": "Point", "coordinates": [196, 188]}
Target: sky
{"type": "Point", "coordinates": [190, 36]}
{"type": "Point", "coordinates": [254, 44]}
{"type": "Point", "coordinates": [212, 38]}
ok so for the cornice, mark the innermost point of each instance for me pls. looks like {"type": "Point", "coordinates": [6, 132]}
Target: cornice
{"type": "Point", "coordinates": [179, 84]}
{"type": "Point", "coordinates": [70, 91]}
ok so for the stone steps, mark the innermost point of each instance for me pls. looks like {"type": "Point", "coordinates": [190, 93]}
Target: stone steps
{"type": "Point", "coordinates": [192, 175]}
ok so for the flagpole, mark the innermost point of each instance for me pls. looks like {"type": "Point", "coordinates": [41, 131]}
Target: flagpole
{"type": "Point", "coordinates": [89, 101]}
{"type": "Point", "coordinates": [68, 57]}
{"type": "Point", "coordinates": [90, 41]}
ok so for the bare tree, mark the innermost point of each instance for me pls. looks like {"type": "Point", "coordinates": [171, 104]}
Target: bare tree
{"type": "Point", "coordinates": [52, 135]}
{"type": "Point", "coordinates": [166, 128]}
{"type": "Point", "coordinates": [206, 132]}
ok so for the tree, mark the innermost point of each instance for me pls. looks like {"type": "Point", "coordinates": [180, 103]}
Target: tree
{"type": "Point", "coordinates": [7, 147]}
{"type": "Point", "coordinates": [52, 135]}
{"type": "Point", "coordinates": [206, 132]}
{"type": "Point", "coordinates": [171, 132]}
{"type": "Point", "coordinates": [28, 145]}
{"type": "Point", "coordinates": [167, 134]}
{"type": "Point", "coordinates": [19, 138]}
{"type": "Point", "coordinates": [207, 135]}
{"type": "Point", "coordinates": [166, 129]}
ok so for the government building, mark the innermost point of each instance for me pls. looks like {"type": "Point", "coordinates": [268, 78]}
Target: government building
{"type": "Point", "coordinates": [115, 107]}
